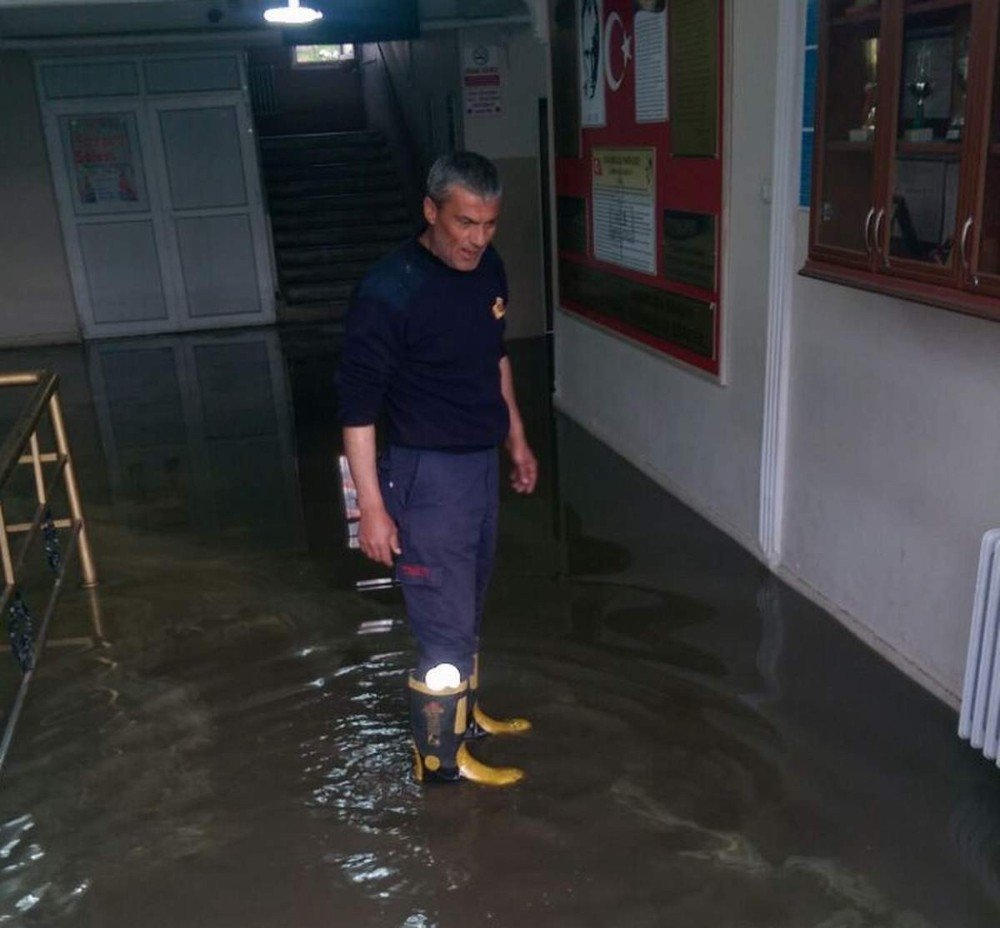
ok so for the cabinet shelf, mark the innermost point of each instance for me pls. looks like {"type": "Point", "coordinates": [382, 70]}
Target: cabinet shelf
{"type": "Point", "coordinates": [849, 146]}
{"type": "Point", "coordinates": [939, 151]}
{"type": "Point", "coordinates": [870, 13]}
{"type": "Point", "coordinates": [853, 19]}
{"type": "Point", "coordinates": [930, 6]}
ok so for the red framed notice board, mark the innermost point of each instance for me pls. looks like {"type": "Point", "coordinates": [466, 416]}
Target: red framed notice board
{"type": "Point", "coordinates": [637, 107]}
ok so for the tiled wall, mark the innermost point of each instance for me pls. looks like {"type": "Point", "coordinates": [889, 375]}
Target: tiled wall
{"type": "Point", "coordinates": [808, 101]}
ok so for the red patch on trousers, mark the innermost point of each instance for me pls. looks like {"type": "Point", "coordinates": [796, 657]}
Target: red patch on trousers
{"type": "Point", "coordinates": [415, 570]}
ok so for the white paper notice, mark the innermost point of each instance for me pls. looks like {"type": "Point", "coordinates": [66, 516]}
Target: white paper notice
{"type": "Point", "coordinates": [624, 201]}
{"type": "Point", "coordinates": [650, 66]}
{"type": "Point", "coordinates": [592, 112]}
{"type": "Point", "coordinates": [482, 83]}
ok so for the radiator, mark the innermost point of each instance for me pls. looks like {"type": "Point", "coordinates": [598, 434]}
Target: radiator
{"type": "Point", "coordinates": [979, 719]}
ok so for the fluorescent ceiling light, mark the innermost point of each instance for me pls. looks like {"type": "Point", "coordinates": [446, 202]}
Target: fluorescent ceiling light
{"type": "Point", "coordinates": [292, 15]}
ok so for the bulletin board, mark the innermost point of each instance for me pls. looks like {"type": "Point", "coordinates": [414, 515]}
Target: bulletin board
{"type": "Point", "coordinates": [637, 110]}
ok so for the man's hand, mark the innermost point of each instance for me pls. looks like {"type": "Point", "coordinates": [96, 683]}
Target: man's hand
{"type": "Point", "coordinates": [524, 474]}
{"type": "Point", "coordinates": [378, 535]}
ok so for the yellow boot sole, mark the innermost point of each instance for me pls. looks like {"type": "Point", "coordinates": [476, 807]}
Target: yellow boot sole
{"type": "Point", "coordinates": [477, 772]}
{"type": "Point", "coordinates": [494, 726]}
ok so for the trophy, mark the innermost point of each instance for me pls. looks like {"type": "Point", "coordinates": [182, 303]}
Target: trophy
{"type": "Point", "coordinates": [869, 106]}
{"type": "Point", "coordinates": [921, 88]}
{"type": "Point", "coordinates": [957, 125]}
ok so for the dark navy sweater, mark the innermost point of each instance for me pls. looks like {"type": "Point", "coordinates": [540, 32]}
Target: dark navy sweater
{"type": "Point", "coordinates": [424, 344]}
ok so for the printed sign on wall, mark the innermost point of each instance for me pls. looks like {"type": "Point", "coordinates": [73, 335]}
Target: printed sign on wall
{"type": "Point", "coordinates": [651, 61]}
{"type": "Point", "coordinates": [591, 26]}
{"type": "Point", "coordinates": [482, 81]}
{"type": "Point", "coordinates": [624, 198]}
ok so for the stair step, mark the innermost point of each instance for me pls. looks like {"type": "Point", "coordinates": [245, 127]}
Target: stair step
{"type": "Point", "coordinates": [355, 139]}
{"type": "Point", "coordinates": [318, 292]}
{"type": "Point", "coordinates": [332, 254]}
{"type": "Point", "coordinates": [319, 311]}
{"type": "Point", "coordinates": [324, 273]}
{"type": "Point", "coordinates": [389, 233]}
{"type": "Point", "coordinates": [281, 206]}
{"type": "Point", "coordinates": [346, 216]}
{"type": "Point", "coordinates": [370, 168]}
{"type": "Point", "coordinates": [300, 156]}
{"type": "Point", "coordinates": [331, 186]}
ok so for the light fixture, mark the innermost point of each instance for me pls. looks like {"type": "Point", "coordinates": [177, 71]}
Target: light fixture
{"type": "Point", "coordinates": [292, 15]}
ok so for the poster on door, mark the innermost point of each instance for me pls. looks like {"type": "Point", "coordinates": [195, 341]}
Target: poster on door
{"type": "Point", "coordinates": [101, 151]}
{"type": "Point", "coordinates": [482, 81]}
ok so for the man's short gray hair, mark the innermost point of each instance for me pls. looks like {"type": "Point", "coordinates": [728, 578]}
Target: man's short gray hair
{"type": "Point", "coordinates": [465, 169]}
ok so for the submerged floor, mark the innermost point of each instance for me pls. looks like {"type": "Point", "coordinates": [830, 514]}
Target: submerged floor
{"type": "Point", "coordinates": [710, 749]}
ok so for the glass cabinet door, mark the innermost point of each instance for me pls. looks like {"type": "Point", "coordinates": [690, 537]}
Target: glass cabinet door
{"type": "Point", "coordinates": [918, 223]}
{"type": "Point", "coordinates": [843, 222]}
{"type": "Point", "coordinates": [986, 268]}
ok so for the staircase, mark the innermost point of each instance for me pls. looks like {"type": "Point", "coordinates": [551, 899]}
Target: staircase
{"type": "Point", "coordinates": [336, 204]}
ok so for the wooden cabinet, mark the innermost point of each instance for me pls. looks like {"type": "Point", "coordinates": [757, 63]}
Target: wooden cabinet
{"type": "Point", "coordinates": [906, 179]}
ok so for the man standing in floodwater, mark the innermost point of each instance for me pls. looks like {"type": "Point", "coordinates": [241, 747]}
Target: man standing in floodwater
{"type": "Point", "coordinates": [425, 345]}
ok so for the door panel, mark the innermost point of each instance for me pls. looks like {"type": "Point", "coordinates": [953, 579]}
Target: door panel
{"type": "Point", "coordinates": [123, 272]}
{"type": "Point", "coordinates": [218, 263]}
{"type": "Point", "coordinates": [214, 210]}
{"type": "Point", "coordinates": [203, 158]}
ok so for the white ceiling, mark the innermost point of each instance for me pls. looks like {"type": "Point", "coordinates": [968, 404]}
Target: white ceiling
{"type": "Point", "coordinates": [40, 19]}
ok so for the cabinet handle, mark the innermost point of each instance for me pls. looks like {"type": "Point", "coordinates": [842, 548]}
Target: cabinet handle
{"type": "Point", "coordinates": [963, 252]}
{"type": "Point", "coordinates": [878, 236]}
{"type": "Point", "coordinates": [868, 230]}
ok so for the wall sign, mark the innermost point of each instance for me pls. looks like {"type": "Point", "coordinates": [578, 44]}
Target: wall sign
{"type": "Point", "coordinates": [590, 30]}
{"type": "Point", "coordinates": [482, 81]}
{"type": "Point", "coordinates": [645, 180]}
{"type": "Point", "coordinates": [624, 198]}
{"type": "Point", "coordinates": [651, 62]}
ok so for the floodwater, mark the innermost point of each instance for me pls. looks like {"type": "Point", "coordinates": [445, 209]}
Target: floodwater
{"type": "Point", "coordinates": [226, 744]}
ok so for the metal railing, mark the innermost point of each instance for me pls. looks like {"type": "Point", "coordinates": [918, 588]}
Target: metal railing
{"type": "Point", "coordinates": [50, 468]}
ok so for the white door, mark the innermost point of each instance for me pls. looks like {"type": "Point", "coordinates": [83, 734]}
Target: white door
{"type": "Point", "coordinates": [158, 192]}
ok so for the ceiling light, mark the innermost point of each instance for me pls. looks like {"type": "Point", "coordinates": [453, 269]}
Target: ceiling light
{"type": "Point", "coordinates": [292, 15]}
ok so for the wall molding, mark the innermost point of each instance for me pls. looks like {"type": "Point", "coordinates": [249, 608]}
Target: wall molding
{"type": "Point", "coordinates": [785, 171]}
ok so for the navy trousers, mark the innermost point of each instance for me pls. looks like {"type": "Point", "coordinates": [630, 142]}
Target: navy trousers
{"type": "Point", "coordinates": [445, 505]}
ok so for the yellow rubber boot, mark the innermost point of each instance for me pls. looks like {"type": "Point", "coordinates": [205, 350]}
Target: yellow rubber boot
{"type": "Point", "coordinates": [482, 724]}
{"type": "Point", "coordinates": [439, 720]}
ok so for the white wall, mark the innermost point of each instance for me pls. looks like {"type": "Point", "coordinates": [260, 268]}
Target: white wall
{"type": "Point", "coordinates": [699, 439]}
{"type": "Point", "coordinates": [524, 62]}
{"type": "Point", "coordinates": [36, 300]}
{"type": "Point", "coordinates": [511, 140]}
{"type": "Point", "coordinates": [894, 465]}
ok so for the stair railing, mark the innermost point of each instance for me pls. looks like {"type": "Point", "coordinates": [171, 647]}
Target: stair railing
{"type": "Point", "coordinates": [22, 446]}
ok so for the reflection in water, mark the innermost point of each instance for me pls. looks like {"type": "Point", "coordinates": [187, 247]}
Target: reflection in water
{"type": "Point", "coordinates": [197, 433]}
{"type": "Point", "coordinates": [235, 752]}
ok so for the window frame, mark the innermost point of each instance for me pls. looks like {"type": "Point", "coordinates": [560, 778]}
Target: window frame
{"type": "Point", "coordinates": [322, 65]}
